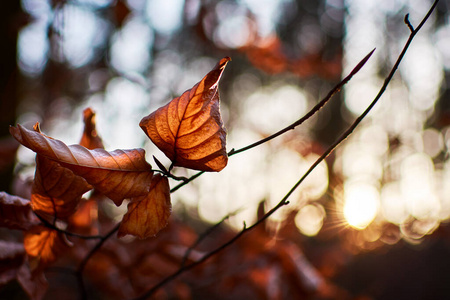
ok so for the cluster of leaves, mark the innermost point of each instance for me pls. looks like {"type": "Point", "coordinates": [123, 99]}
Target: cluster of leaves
{"type": "Point", "coordinates": [189, 130]}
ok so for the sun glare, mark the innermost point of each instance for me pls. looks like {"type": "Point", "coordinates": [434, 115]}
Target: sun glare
{"type": "Point", "coordinates": [361, 203]}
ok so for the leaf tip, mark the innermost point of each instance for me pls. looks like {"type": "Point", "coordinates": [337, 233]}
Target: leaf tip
{"type": "Point", "coordinates": [223, 63]}
{"type": "Point", "coordinates": [225, 60]}
{"type": "Point", "coordinates": [37, 127]}
{"type": "Point", "coordinates": [12, 129]}
{"type": "Point", "coordinates": [16, 132]}
{"type": "Point", "coordinates": [88, 113]}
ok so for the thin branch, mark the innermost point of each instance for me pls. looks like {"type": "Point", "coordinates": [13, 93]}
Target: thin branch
{"type": "Point", "coordinates": [68, 233]}
{"type": "Point", "coordinates": [170, 175]}
{"type": "Point", "coordinates": [203, 236]}
{"type": "Point", "coordinates": [175, 188]}
{"type": "Point", "coordinates": [406, 20]}
{"type": "Point", "coordinates": [190, 266]}
{"type": "Point", "coordinates": [82, 265]}
{"type": "Point", "coordinates": [314, 110]}
{"type": "Point", "coordinates": [97, 246]}
{"type": "Point", "coordinates": [284, 201]}
{"type": "Point", "coordinates": [179, 178]}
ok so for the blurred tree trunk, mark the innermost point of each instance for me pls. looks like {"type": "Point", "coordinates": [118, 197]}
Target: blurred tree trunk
{"type": "Point", "coordinates": [10, 21]}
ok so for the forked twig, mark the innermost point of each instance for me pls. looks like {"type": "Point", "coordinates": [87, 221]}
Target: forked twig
{"type": "Point", "coordinates": [406, 20]}
{"type": "Point", "coordinates": [284, 201]}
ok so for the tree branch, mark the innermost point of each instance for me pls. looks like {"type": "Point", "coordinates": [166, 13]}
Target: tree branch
{"type": "Point", "coordinates": [203, 236]}
{"type": "Point", "coordinates": [284, 201]}
{"type": "Point", "coordinates": [68, 233]}
{"type": "Point", "coordinates": [82, 265]}
{"type": "Point", "coordinates": [315, 109]}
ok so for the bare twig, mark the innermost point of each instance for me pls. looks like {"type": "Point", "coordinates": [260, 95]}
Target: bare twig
{"type": "Point", "coordinates": [406, 20]}
{"type": "Point", "coordinates": [190, 266]}
{"type": "Point", "coordinates": [315, 109]}
{"type": "Point", "coordinates": [86, 259]}
{"type": "Point", "coordinates": [175, 188]}
{"type": "Point", "coordinates": [178, 178]}
{"type": "Point", "coordinates": [68, 233]}
{"type": "Point", "coordinates": [284, 201]}
{"type": "Point", "coordinates": [170, 175]}
{"type": "Point", "coordinates": [204, 235]}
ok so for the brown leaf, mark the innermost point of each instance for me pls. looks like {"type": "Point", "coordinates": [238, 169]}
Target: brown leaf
{"type": "Point", "coordinates": [11, 258]}
{"type": "Point", "coordinates": [44, 243]}
{"type": "Point", "coordinates": [56, 190]}
{"type": "Point", "coordinates": [14, 265]}
{"type": "Point", "coordinates": [34, 283]}
{"type": "Point", "coordinates": [90, 138]}
{"type": "Point", "coordinates": [15, 212]}
{"type": "Point", "coordinates": [147, 215]}
{"type": "Point", "coordinates": [189, 129]}
{"type": "Point", "coordinates": [85, 217]}
{"type": "Point", "coordinates": [118, 174]}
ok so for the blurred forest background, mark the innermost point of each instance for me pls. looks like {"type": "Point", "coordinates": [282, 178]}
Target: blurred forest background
{"type": "Point", "coordinates": [369, 223]}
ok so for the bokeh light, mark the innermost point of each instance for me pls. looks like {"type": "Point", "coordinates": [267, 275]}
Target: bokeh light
{"type": "Point", "coordinates": [393, 204]}
{"type": "Point", "coordinates": [33, 48]}
{"type": "Point", "coordinates": [309, 219]}
{"type": "Point", "coordinates": [274, 99]}
{"type": "Point", "coordinates": [361, 203]}
{"type": "Point", "coordinates": [129, 49]}
{"type": "Point", "coordinates": [165, 15]}
{"type": "Point", "coordinates": [233, 32]}
{"type": "Point", "coordinates": [80, 31]}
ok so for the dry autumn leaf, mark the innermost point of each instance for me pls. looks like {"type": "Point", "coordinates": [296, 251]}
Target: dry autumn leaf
{"type": "Point", "coordinates": [44, 243]}
{"type": "Point", "coordinates": [56, 190]}
{"type": "Point", "coordinates": [90, 139]}
{"type": "Point", "coordinates": [189, 129]}
{"type": "Point", "coordinates": [147, 215]}
{"type": "Point", "coordinates": [118, 174]}
{"type": "Point", "coordinates": [15, 212]}
{"type": "Point", "coordinates": [14, 266]}
{"type": "Point", "coordinates": [86, 214]}
{"type": "Point", "coordinates": [33, 283]}
{"type": "Point", "coordinates": [85, 217]}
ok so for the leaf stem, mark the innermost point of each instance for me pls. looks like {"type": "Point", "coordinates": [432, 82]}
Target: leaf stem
{"type": "Point", "coordinates": [175, 188]}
